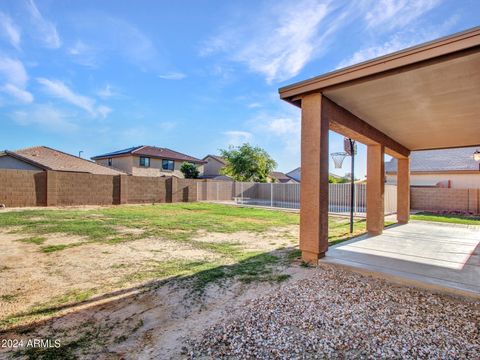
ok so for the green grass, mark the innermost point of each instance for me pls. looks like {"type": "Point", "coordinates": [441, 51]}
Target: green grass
{"type": "Point", "coordinates": [174, 222]}
{"type": "Point", "coordinates": [50, 308]}
{"type": "Point", "coordinates": [37, 240]}
{"type": "Point", "coordinates": [170, 221]}
{"type": "Point", "coordinates": [59, 247]}
{"type": "Point", "coordinates": [452, 219]}
{"type": "Point", "coordinates": [7, 297]}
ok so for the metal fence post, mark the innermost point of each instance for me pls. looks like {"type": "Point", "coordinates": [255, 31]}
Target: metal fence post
{"type": "Point", "coordinates": [271, 194]}
{"type": "Point", "coordinates": [241, 192]}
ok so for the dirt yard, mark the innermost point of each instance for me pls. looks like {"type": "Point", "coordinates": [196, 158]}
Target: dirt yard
{"type": "Point", "coordinates": [104, 280]}
{"type": "Point", "coordinates": [157, 281]}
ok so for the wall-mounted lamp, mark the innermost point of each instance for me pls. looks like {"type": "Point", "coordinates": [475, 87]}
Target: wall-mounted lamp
{"type": "Point", "coordinates": [476, 157]}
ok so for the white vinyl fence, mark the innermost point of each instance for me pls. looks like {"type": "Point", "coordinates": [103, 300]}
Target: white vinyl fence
{"type": "Point", "coordinates": [287, 196]}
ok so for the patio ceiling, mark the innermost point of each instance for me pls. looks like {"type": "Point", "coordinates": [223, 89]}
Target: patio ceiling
{"type": "Point", "coordinates": [425, 97]}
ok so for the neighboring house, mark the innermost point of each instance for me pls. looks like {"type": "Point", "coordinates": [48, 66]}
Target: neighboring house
{"type": "Point", "coordinates": [296, 174]}
{"type": "Point", "coordinates": [45, 158]}
{"type": "Point", "coordinates": [147, 161]}
{"type": "Point", "coordinates": [211, 168]}
{"type": "Point", "coordinates": [454, 168]}
{"type": "Point", "coordinates": [282, 178]}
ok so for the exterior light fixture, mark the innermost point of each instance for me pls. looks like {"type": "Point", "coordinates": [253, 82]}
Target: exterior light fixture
{"type": "Point", "coordinates": [476, 157]}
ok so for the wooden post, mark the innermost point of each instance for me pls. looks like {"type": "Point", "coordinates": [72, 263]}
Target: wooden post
{"type": "Point", "coordinates": [403, 190]}
{"type": "Point", "coordinates": [375, 189]}
{"type": "Point", "coordinates": [314, 189]}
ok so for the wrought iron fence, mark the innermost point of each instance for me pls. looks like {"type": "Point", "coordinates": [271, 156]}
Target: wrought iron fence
{"type": "Point", "coordinates": [287, 196]}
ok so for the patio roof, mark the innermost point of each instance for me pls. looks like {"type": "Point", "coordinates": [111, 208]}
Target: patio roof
{"type": "Point", "coordinates": [424, 97]}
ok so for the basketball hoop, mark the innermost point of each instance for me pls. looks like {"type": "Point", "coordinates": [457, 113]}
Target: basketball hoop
{"type": "Point", "coordinates": [338, 158]}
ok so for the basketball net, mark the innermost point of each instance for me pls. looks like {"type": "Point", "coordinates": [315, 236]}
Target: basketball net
{"type": "Point", "coordinates": [338, 159]}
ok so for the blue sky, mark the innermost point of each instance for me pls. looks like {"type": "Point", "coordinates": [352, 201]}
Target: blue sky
{"type": "Point", "coordinates": [194, 76]}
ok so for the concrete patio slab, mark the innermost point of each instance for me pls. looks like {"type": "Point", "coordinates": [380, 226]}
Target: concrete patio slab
{"type": "Point", "coordinates": [437, 255]}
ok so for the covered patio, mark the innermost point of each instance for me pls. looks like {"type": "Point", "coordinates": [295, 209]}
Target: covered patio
{"type": "Point", "coordinates": [425, 97]}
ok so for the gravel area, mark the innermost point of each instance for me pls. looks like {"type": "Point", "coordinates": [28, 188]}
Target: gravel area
{"type": "Point", "coordinates": [339, 314]}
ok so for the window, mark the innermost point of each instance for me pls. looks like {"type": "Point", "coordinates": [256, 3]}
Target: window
{"type": "Point", "coordinates": [109, 161]}
{"type": "Point", "coordinates": [144, 161]}
{"type": "Point", "coordinates": [167, 165]}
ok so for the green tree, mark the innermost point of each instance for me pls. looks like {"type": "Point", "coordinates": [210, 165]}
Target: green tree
{"type": "Point", "coordinates": [247, 163]}
{"type": "Point", "coordinates": [189, 170]}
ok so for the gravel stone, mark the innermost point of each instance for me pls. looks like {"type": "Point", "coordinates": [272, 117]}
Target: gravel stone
{"type": "Point", "coordinates": [338, 314]}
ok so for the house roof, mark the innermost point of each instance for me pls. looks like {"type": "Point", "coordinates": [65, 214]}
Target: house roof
{"type": "Point", "coordinates": [281, 177]}
{"type": "Point", "coordinates": [50, 159]}
{"type": "Point", "coordinates": [151, 151]}
{"type": "Point", "coordinates": [216, 157]}
{"type": "Point", "coordinates": [459, 159]}
{"type": "Point", "coordinates": [299, 170]}
{"type": "Point", "coordinates": [216, 177]}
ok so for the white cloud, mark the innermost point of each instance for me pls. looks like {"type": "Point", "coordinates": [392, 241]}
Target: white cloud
{"type": "Point", "coordinates": [44, 30]}
{"type": "Point", "coordinates": [395, 44]}
{"type": "Point", "coordinates": [284, 129]}
{"type": "Point", "coordinates": [397, 13]}
{"type": "Point", "coordinates": [108, 36]}
{"type": "Point", "coordinates": [400, 41]}
{"type": "Point", "coordinates": [237, 137]}
{"type": "Point", "coordinates": [254, 105]}
{"type": "Point", "coordinates": [280, 44]}
{"type": "Point", "coordinates": [103, 111]}
{"type": "Point", "coordinates": [19, 94]}
{"type": "Point", "coordinates": [13, 79]}
{"type": "Point", "coordinates": [46, 117]}
{"type": "Point", "coordinates": [173, 76]}
{"type": "Point", "coordinates": [283, 126]}
{"type": "Point", "coordinates": [108, 91]}
{"type": "Point", "coordinates": [13, 71]}
{"type": "Point", "coordinates": [9, 30]}
{"type": "Point", "coordinates": [58, 89]}
{"type": "Point", "coordinates": [83, 54]}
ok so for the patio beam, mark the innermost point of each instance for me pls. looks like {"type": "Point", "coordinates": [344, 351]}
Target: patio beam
{"type": "Point", "coordinates": [314, 189]}
{"type": "Point", "coordinates": [349, 125]}
{"type": "Point", "coordinates": [375, 189]}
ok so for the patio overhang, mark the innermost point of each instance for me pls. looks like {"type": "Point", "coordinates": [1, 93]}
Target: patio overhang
{"type": "Point", "coordinates": [424, 97]}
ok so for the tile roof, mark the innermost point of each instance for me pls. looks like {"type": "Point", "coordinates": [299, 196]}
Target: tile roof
{"type": "Point", "coordinates": [151, 151]}
{"type": "Point", "coordinates": [50, 159]}
{"type": "Point", "coordinates": [438, 160]}
{"type": "Point", "coordinates": [281, 177]}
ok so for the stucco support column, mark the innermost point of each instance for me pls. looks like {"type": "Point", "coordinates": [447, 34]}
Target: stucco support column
{"type": "Point", "coordinates": [403, 190]}
{"type": "Point", "coordinates": [314, 189]}
{"type": "Point", "coordinates": [375, 189]}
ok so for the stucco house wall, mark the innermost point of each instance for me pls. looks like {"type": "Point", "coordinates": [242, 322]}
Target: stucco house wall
{"type": "Point", "coordinates": [457, 181]}
{"type": "Point", "coordinates": [131, 165]}
{"type": "Point", "coordinates": [123, 163]}
{"type": "Point", "coordinates": [155, 168]}
{"type": "Point", "coordinates": [9, 162]}
{"type": "Point", "coordinates": [212, 167]}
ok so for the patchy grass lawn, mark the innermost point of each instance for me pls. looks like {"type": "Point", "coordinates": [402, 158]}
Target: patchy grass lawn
{"type": "Point", "coordinates": [447, 218]}
{"type": "Point", "coordinates": [121, 277]}
{"type": "Point", "coordinates": [54, 258]}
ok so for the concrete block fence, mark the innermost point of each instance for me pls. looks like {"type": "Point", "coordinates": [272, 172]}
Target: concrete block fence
{"type": "Point", "coordinates": [21, 188]}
